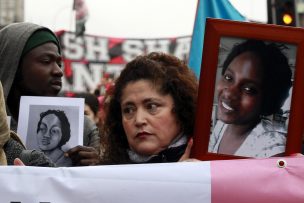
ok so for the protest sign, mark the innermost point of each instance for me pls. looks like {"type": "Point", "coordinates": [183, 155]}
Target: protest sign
{"type": "Point", "coordinates": [277, 180]}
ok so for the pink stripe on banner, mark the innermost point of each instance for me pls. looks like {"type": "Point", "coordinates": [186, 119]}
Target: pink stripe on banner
{"type": "Point", "coordinates": [257, 180]}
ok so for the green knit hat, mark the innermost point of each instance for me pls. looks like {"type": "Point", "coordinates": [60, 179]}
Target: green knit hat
{"type": "Point", "coordinates": [38, 38]}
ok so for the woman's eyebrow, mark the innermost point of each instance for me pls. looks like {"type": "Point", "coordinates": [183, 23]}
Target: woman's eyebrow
{"type": "Point", "coordinates": [126, 103]}
{"type": "Point", "coordinates": [55, 125]}
{"type": "Point", "coordinates": [229, 70]}
{"type": "Point", "coordinates": [42, 123]}
{"type": "Point", "coordinates": [149, 100]}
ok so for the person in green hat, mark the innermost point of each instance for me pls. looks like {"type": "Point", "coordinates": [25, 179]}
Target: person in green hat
{"type": "Point", "coordinates": [30, 65]}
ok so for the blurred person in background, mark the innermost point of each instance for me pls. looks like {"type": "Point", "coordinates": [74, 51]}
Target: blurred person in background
{"type": "Point", "coordinates": [91, 106]}
{"type": "Point", "coordinates": [104, 104]}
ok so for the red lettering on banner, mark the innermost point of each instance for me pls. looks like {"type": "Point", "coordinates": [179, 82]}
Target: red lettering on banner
{"type": "Point", "coordinates": [87, 59]}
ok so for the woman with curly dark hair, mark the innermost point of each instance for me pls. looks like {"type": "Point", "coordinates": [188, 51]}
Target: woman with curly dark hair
{"type": "Point", "coordinates": [255, 82]}
{"type": "Point", "coordinates": [152, 111]}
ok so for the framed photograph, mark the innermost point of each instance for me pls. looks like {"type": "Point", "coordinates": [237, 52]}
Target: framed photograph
{"type": "Point", "coordinates": [52, 125]}
{"type": "Point", "coordinates": [250, 101]}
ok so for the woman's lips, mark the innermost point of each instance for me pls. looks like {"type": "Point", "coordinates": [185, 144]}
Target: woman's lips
{"type": "Point", "coordinates": [45, 141]}
{"type": "Point", "coordinates": [227, 107]}
{"type": "Point", "coordinates": [142, 134]}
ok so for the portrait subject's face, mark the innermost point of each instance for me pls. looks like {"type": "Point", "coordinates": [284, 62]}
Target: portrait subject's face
{"type": "Point", "coordinates": [240, 90]}
{"type": "Point", "coordinates": [49, 134]}
{"type": "Point", "coordinates": [148, 118]}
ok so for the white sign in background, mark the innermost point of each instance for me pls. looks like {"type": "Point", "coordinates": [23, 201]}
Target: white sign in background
{"type": "Point", "coordinates": [144, 183]}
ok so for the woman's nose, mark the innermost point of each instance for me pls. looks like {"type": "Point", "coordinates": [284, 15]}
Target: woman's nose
{"type": "Point", "coordinates": [231, 92]}
{"type": "Point", "coordinates": [47, 134]}
{"type": "Point", "coordinates": [140, 117]}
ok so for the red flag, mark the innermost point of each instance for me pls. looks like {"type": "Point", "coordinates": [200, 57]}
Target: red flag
{"type": "Point", "coordinates": [82, 14]}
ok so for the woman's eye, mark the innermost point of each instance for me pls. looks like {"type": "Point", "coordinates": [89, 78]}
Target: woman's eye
{"type": "Point", "coordinates": [152, 107]}
{"type": "Point", "coordinates": [250, 90]}
{"type": "Point", "coordinates": [55, 130]}
{"type": "Point", "coordinates": [43, 130]}
{"type": "Point", "coordinates": [128, 110]}
{"type": "Point", "coordinates": [227, 77]}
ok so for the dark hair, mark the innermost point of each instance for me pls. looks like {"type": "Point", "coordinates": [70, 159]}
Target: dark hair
{"type": "Point", "coordinates": [90, 99]}
{"type": "Point", "coordinates": [65, 124]}
{"type": "Point", "coordinates": [170, 76]}
{"type": "Point", "coordinates": [276, 72]}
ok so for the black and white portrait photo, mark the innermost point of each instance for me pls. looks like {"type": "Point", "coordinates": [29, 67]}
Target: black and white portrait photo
{"type": "Point", "coordinates": [52, 127]}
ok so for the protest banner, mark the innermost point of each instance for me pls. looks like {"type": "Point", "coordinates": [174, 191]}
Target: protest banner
{"type": "Point", "coordinates": [277, 180]}
{"type": "Point", "coordinates": [90, 59]}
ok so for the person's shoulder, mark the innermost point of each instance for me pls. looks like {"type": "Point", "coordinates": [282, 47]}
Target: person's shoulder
{"type": "Point", "coordinates": [266, 139]}
{"type": "Point", "coordinates": [219, 126]}
{"type": "Point", "coordinates": [90, 133]}
{"type": "Point", "coordinates": [219, 123]}
{"type": "Point", "coordinates": [89, 126]}
{"type": "Point", "coordinates": [87, 123]}
{"type": "Point", "coordinates": [269, 131]}
{"type": "Point", "coordinates": [273, 126]}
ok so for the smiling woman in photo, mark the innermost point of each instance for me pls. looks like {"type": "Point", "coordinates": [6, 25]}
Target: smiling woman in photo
{"type": "Point", "coordinates": [254, 84]}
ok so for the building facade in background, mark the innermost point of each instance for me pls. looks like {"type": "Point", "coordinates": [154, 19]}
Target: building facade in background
{"type": "Point", "coordinates": [300, 12]}
{"type": "Point", "coordinates": [11, 11]}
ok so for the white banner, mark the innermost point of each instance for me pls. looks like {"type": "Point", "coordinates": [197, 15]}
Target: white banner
{"type": "Point", "coordinates": [188, 182]}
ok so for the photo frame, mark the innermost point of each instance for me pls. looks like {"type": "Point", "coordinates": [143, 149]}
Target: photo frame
{"type": "Point", "coordinates": [52, 125]}
{"type": "Point", "coordinates": [220, 37]}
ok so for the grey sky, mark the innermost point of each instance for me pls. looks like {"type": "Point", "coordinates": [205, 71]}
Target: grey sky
{"type": "Point", "coordinates": [131, 18]}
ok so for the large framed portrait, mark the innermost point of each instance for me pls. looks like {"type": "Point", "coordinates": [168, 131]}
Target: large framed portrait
{"type": "Point", "coordinates": [52, 125]}
{"type": "Point", "coordinates": [250, 100]}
